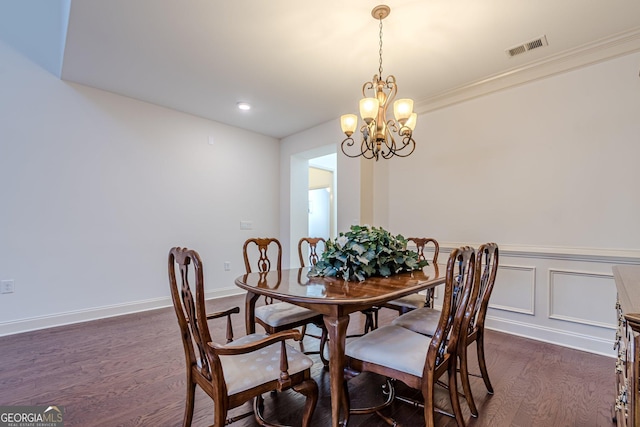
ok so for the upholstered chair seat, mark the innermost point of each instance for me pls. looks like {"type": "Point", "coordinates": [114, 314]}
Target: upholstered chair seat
{"type": "Point", "coordinates": [281, 314]}
{"type": "Point", "coordinates": [411, 302]}
{"type": "Point", "coordinates": [423, 320]}
{"type": "Point", "coordinates": [409, 349]}
{"type": "Point", "coordinates": [246, 371]}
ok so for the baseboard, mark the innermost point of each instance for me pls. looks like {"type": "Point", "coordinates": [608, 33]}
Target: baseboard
{"type": "Point", "coordinates": [79, 316]}
{"type": "Point", "coordinates": [559, 337]}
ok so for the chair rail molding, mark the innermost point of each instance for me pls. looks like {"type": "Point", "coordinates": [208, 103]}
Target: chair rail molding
{"type": "Point", "coordinates": [598, 255]}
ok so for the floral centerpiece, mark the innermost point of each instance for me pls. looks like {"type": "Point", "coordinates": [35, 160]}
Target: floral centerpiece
{"type": "Point", "coordinates": [364, 252]}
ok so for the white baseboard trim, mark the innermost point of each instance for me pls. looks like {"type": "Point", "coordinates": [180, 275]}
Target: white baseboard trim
{"type": "Point", "coordinates": [559, 337]}
{"type": "Point", "coordinates": [79, 316]}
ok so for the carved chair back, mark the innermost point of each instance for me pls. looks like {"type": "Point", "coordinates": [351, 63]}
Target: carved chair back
{"type": "Point", "coordinates": [421, 243]}
{"type": "Point", "coordinates": [264, 254]}
{"type": "Point", "coordinates": [459, 282]}
{"type": "Point", "coordinates": [486, 269]}
{"type": "Point", "coordinates": [312, 246]}
{"type": "Point", "coordinates": [185, 265]}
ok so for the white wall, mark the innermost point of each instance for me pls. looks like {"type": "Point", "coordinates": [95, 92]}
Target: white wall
{"type": "Point", "coordinates": [549, 171]}
{"type": "Point", "coordinates": [96, 188]}
{"type": "Point", "coordinates": [550, 163]}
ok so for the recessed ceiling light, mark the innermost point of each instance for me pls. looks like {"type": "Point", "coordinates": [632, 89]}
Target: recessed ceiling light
{"type": "Point", "coordinates": [244, 106]}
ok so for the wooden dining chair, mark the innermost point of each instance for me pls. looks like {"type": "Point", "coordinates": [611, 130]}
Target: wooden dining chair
{"type": "Point", "coordinates": [486, 269]}
{"type": "Point", "coordinates": [312, 255]}
{"type": "Point", "coordinates": [414, 301]}
{"type": "Point", "coordinates": [265, 254]}
{"type": "Point", "coordinates": [233, 373]}
{"type": "Point", "coordinates": [415, 359]}
{"type": "Point", "coordinates": [425, 320]}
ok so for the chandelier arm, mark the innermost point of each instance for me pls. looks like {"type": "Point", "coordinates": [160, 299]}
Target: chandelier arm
{"type": "Point", "coordinates": [390, 143]}
{"type": "Point", "coordinates": [407, 142]}
{"type": "Point", "coordinates": [349, 142]}
{"type": "Point", "coordinates": [390, 84]}
{"type": "Point", "coordinates": [368, 86]}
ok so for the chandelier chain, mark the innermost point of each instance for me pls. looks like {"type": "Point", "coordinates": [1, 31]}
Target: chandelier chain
{"type": "Point", "coordinates": [380, 52]}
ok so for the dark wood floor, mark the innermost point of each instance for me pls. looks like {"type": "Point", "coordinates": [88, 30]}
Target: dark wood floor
{"type": "Point", "coordinates": [129, 371]}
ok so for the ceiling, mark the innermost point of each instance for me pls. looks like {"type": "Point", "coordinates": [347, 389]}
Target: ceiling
{"type": "Point", "coordinates": [298, 63]}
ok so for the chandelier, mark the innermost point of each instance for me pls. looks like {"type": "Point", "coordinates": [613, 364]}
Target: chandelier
{"type": "Point", "coordinates": [377, 132]}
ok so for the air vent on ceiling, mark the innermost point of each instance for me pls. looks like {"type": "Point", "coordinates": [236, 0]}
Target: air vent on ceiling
{"type": "Point", "coordinates": [525, 47]}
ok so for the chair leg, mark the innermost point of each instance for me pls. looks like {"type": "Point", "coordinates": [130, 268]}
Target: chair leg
{"type": "Point", "coordinates": [371, 319]}
{"type": "Point", "coordinates": [309, 389]}
{"type": "Point", "coordinates": [482, 363]}
{"type": "Point", "coordinates": [303, 332]}
{"type": "Point", "coordinates": [346, 402]}
{"type": "Point", "coordinates": [188, 408]}
{"type": "Point", "coordinates": [429, 406]}
{"type": "Point", "coordinates": [453, 392]}
{"type": "Point", "coordinates": [466, 386]}
{"type": "Point", "coordinates": [220, 413]}
{"type": "Point", "coordinates": [323, 344]}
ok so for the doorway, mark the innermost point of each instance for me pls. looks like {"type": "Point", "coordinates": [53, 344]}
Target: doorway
{"type": "Point", "coordinates": [322, 207]}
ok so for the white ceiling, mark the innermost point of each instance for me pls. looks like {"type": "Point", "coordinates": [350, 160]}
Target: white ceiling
{"type": "Point", "coordinates": [303, 63]}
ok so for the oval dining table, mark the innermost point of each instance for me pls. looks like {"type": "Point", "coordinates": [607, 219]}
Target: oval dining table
{"type": "Point", "coordinates": [335, 299]}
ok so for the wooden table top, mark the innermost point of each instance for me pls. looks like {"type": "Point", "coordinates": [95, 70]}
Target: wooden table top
{"type": "Point", "coordinates": [293, 285]}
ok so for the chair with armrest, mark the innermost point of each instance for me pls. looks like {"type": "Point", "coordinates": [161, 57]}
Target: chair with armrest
{"type": "Point", "coordinates": [414, 301]}
{"type": "Point", "coordinates": [424, 320]}
{"type": "Point", "coordinates": [415, 359]}
{"type": "Point", "coordinates": [276, 316]}
{"type": "Point", "coordinates": [232, 374]}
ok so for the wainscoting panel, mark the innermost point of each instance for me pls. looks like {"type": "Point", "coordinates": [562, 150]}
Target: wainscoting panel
{"type": "Point", "coordinates": [564, 296]}
{"type": "Point", "coordinates": [595, 291]}
{"type": "Point", "coordinates": [515, 289]}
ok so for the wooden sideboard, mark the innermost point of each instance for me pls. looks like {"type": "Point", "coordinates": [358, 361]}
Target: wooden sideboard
{"type": "Point", "coordinates": [627, 405]}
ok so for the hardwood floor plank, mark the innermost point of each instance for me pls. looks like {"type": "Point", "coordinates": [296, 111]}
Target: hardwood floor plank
{"type": "Point", "coordinates": [129, 371]}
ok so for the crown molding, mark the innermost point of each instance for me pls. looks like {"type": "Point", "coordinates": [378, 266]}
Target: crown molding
{"type": "Point", "coordinates": [602, 50]}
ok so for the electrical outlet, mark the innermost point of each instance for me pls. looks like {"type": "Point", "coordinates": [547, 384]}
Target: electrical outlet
{"type": "Point", "coordinates": [246, 225]}
{"type": "Point", "coordinates": [227, 266]}
{"type": "Point", "coordinates": [6, 286]}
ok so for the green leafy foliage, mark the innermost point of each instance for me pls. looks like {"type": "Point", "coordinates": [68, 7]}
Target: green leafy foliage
{"type": "Point", "coordinates": [364, 252]}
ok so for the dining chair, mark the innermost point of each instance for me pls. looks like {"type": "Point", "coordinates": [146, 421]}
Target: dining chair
{"type": "Point", "coordinates": [277, 316]}
{"type": "Point", "coordinates": [311, 250]}
{"type": "Point", "coordinates": [415, 359]}
{"type": "Point", "coordinates": [233, 373]}
{"type": "Point", "coordinates": [486, 270]}
{"type": "Point", "coordinates": [309, 246]}
{"type": "Point", "coordinates": [419, 300]}
{"type": "Point", "coordinates": [424, 320]}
